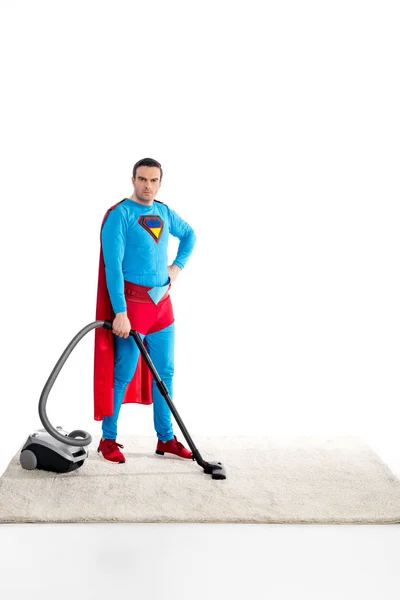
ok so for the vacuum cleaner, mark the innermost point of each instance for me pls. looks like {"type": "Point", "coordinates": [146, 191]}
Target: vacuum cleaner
{"type": "Point", "coordinates": [54, 449]}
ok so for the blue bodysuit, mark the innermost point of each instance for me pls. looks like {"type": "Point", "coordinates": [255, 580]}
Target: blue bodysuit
{"type": "Point", "coordinates": [134, 239]}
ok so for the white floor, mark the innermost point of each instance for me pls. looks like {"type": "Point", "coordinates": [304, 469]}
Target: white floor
{"type": "Point", "coordinates": [203, 561]}
{"type": "Point", "coordinates": [200, 561]}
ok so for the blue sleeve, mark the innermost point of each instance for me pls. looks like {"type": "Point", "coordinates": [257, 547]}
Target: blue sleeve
{"type": "Point", "coordinates": [113, 241]}
{"type": "Point", "coordinates": [182, 230]}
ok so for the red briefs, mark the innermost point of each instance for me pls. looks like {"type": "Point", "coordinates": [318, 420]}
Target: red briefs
{"type": "Point", "coordinates": [145, 316]}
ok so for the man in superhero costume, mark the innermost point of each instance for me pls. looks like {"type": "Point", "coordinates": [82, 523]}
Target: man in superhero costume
{"type": "Point", "coordinates": [133, 292]}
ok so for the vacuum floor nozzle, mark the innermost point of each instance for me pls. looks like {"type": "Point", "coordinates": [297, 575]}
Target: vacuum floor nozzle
{"type": "Point", "coordinates": [216, 470]}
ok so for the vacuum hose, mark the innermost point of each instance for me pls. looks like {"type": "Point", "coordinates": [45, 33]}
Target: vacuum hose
{"type": "Point", "coordinates": [71, 439]}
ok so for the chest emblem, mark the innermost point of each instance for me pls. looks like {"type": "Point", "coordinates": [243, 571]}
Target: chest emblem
{"type": "Point", "coordinates": [153, 224]}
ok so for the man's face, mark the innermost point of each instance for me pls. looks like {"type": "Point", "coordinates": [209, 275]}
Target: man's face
{"type": "Point", "coordinates": [147, 180]}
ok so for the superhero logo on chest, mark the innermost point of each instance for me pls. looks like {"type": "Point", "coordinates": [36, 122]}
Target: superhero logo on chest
{"type": "Point", "coordinates": [153, 224]}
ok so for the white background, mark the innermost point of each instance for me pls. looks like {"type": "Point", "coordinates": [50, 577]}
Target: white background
{"type": "Point", "coordinates": [277, 125]}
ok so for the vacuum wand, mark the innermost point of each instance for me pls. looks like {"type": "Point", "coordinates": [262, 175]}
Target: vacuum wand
{"type": "Point", "coordinates": [216, 469]}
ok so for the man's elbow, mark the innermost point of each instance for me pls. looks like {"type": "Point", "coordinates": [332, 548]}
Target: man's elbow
{"type": "Point", "coordinates": [191, 234]}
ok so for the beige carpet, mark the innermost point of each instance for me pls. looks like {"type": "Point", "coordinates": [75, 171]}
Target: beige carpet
{"type": "Point", "coordinates": [269, 480]}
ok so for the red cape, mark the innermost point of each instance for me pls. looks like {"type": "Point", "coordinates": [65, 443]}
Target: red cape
{"type": "Point", "coordinates": [139, 389]}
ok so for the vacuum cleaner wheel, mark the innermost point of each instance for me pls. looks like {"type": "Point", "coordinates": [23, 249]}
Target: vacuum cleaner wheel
{"type": "Point", "coordinates": [28, 460]}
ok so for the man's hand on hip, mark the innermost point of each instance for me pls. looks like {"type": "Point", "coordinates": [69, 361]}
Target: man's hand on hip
{"type": "Point", "coordinates": [173, 272]}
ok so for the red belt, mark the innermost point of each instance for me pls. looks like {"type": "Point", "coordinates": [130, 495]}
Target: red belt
{"type": "Point", "coordinates": [138, 293]}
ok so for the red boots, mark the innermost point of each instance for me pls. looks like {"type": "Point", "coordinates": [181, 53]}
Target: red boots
{"type": "Point", "coordinates": [173, 447]}
{"type": "Point", "coordinates": [109, 450]}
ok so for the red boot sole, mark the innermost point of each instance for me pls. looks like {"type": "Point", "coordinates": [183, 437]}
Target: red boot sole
{"type": "Point", "coordinates": [172, 454]}
{"type": "Point", "coordinates": [120, 462]}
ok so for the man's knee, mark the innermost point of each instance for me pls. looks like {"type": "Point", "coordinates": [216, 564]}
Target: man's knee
{"type": "Point", "coordinates": [121, 382]}
{"type": "Point", "coordinates": [166, 371]}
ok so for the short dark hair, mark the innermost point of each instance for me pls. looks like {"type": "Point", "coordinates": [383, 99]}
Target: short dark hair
{"type": "Point", "coordinates": [147, 162]}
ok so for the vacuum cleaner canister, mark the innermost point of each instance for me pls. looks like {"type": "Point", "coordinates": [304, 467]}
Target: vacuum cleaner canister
{"type": "Point", "coordinates": [42, 451]}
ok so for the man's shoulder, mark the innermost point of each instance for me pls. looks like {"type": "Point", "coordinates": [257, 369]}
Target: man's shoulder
{"type": "Point", "coordinates": [117, 209]}
{"type": "Point", "coordinates": [118, 206]}
{"type": "Point", "coordinates": [164, 208]}
{"type": "Point", "coordinates": [163, 205]}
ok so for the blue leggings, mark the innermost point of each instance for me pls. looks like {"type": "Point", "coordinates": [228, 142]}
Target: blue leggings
{"type": "Point", "coordinates": [160, 346]}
